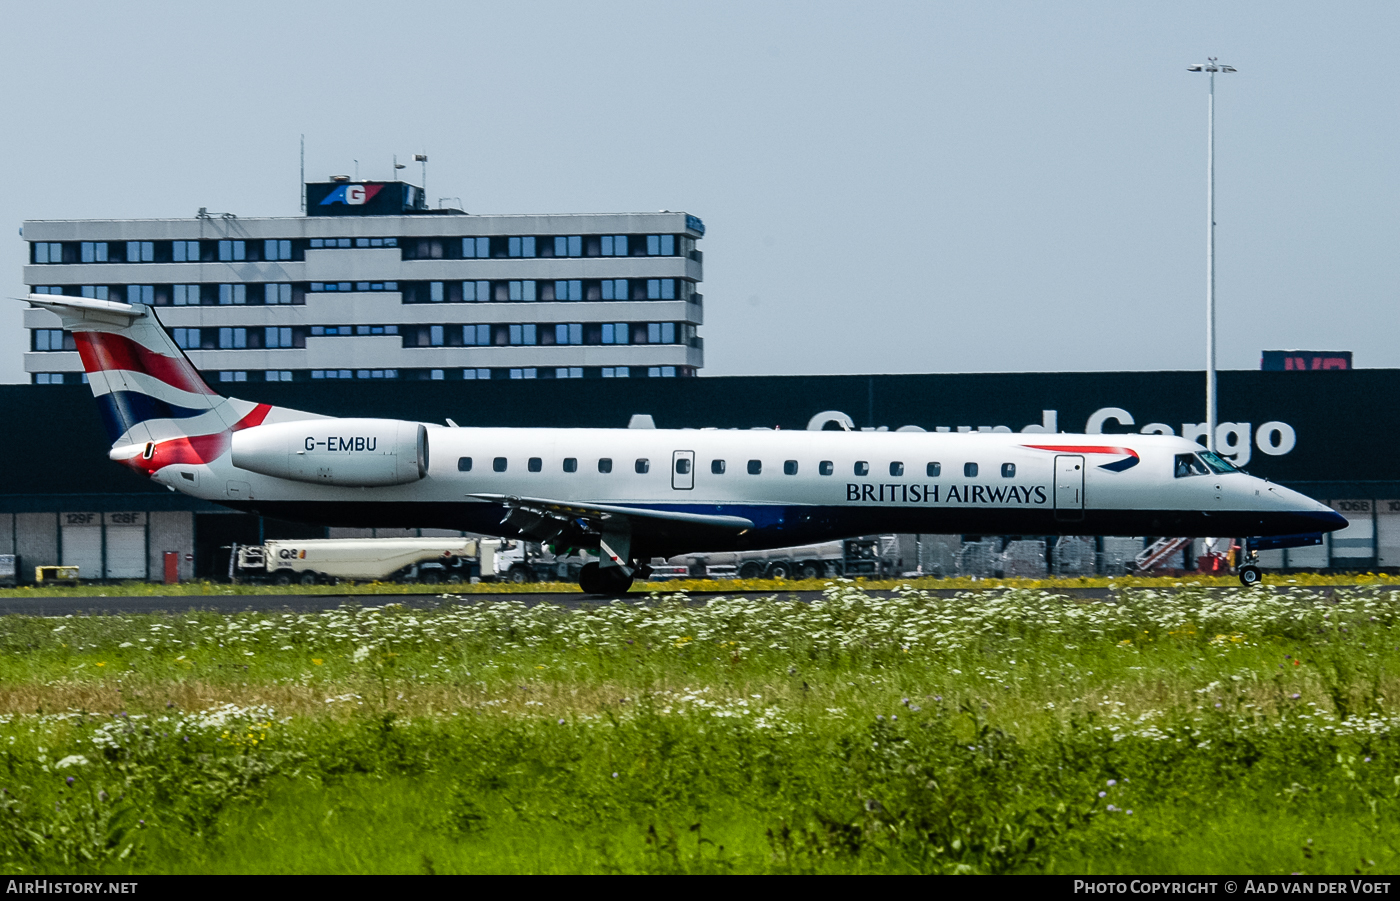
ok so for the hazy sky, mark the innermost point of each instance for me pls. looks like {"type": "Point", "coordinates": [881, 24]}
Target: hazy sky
{"type": "Point", "coordinates": [887, 187]}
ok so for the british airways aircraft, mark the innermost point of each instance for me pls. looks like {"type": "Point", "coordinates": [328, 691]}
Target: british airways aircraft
{"type": "Point", "coordinates": [634, 494]}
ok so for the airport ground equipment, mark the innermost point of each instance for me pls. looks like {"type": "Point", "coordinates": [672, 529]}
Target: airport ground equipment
{"type": "Point", "coordinates": [807, 561]}
{"type": "Point", "coordinates": [360, 559]}
{"type": "Point", "coordinates": [1158, 552]}
{"type": "Point", "coordinates": [9, 570]}
{"type": "Point", "coordinates": [518, 562]}
{"type": "Point", "coordinates": [66, 575]}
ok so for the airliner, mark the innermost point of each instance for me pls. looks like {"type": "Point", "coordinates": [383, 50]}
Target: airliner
{"type": "Point", "coordinates": [630, 495]}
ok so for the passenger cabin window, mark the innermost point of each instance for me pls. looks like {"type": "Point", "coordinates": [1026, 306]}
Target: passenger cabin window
{"type": "Point", "coordinates": [535, 464]}
{"type": "Point", "coordinates": [683, 465]}
{"type": "Point", "coordinates": [862, 468]}
{"type": "Point", "coordinates": [825, 468]}
{"type": "Point", "coordinates": [717, 467]}
{"type": "Point", "coordinates": [571, 464]}
{"type": "Point", "coordinates": [755, 467]}
{"type": "Point", "coordinates": [970, 470]}
{"type": "Point", "coordinates": [1008, 470]}
{"type": "Point", "coordinates": [605, 464]}
{"type": "Point", "coordinates": [1190, 465]}
{"type": "Point", "coordinates": [499, 464]}
{"type": "Point", "coordinates": [896, 469]}
{"type": "Point", "coordinates": [934, 470]}
{"type": "Point", "coordinates": [789, 467]}
{"type": "Point", "coordinates": [464, 464]}
{"type": "Point", "coordinates": [643, 466]}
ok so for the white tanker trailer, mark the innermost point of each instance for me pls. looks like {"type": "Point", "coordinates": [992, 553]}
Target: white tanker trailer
{"type": "Point", "coordinates": [363, 559]}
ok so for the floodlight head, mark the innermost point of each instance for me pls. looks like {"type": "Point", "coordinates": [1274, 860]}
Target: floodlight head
{"type": "Point", "coordinates": [1194, 67]}
{"type": "Point", "coordinates": [1228, 69]}
{"type": "Point", "coordinates": [420, 157]}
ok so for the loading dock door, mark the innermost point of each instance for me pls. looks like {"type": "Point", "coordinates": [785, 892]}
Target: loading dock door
{"type": "Point", "coordinates": [82, 543]}
{"type": "Point", "coordinates": [126, 545]}
{"type": "Point", "coordinates": [1355, 546]}
{"type": "Point", "coordinates": [1388, 533]}
{"type": "Point", "coordinates": [683, 470]}
{"type": "Point", "coordinates": [1069, 487]}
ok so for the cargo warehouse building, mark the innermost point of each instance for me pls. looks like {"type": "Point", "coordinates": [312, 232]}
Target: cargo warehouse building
{"type": "Point", "coordinates": [371, 285]}
{"type": "Point", "coordinates": [1321, 432]}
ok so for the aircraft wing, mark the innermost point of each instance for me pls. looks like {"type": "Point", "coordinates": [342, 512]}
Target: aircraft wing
{"type": "Point", "coordinates": [579, 524]}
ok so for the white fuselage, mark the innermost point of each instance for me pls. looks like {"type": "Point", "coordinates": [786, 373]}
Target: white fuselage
{"type": "Point", "coordinates": [794, 486]}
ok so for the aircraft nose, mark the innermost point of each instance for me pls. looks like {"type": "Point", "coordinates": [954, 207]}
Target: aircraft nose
{"type": "Point", "coordinates": [1331, 520]}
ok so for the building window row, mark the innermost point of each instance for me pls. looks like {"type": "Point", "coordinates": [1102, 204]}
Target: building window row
{"type": "Point", "coordinates": [472, 374]}
{"type": "Point", "coordinates": [237, 250]}
{"type": "Point", "coordinates": [344, 243]}
{"type": "Point", "coordinates": [546, 246]}
{"type": "Point", "coordinates": [550, 334]}
{"type": "Point", "coordinates": [60, 378]}
{"type": "Point", "coordinates": [239, 338]}
{"type": "Point", "coordinates": [318, 287]}
{"type": "Point", "coordinates": [52, 339]}
{"type": "Point", "coordinates": [354, 373]}
{"type": "Point", "coordinates": [528, 334]}
{"type": "Point", "coordinates": [531, 290]}
{"type": "Point", "coordinates": [229, 250]}
{"type": "Point", "coordinates": [271, 293]}
{"type": "Point", "coordinates": [186, 295]}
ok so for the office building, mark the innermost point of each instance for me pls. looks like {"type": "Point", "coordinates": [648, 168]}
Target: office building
{"type": "Point", "coordinates": [372, 285]}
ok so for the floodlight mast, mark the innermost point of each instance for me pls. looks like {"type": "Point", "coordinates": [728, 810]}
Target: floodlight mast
{"type": "Point", "coordinates": [1210, 67]}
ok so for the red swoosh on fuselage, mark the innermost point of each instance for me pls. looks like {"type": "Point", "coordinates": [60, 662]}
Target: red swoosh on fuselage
{"type": "Point", "coordinates": [195, 449]}
{"type": "Point", "coordinates": [1083, 449]}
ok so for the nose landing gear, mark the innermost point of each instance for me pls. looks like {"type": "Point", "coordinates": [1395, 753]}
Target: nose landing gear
{"type": "Point", "coordinates": [1250, 573]}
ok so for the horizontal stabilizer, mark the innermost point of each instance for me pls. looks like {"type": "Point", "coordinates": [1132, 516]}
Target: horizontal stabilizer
{"type": "Point", "coordinates": [78, 311]}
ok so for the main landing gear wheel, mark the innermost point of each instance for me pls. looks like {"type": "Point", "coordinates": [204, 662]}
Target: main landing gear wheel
{"type": "Point", "coordinates": [1250, 576]}
{"type": "Point", "coordinates": [593, 579]}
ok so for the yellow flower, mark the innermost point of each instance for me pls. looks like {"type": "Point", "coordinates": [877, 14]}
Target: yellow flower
{"type": "Point", "coordinates": [102, 664]}
{"type": "Point", "coordinates": [316, 660]}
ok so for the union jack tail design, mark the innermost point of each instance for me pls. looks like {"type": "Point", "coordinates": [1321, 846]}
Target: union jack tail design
{"type": "Point", "coordinates": [157, 408]}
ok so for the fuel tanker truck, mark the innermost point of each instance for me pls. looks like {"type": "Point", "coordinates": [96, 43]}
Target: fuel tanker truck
{"type": "Point", "coordinates": [316, 560]}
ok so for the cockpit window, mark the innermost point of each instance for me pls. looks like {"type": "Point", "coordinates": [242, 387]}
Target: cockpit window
{"type": "Point", "coordinates": [1190, 465]}
{"type": "Point", "coordinates": [1217, 463]}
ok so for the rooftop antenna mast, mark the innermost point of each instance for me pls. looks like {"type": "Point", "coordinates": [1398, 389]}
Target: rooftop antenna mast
{"type": "Point", "coordinates": [423, 158]}
{"type": "Point", "coordinates": [303, 173]}
{"type": "Point", "coordinates": [397, 166]}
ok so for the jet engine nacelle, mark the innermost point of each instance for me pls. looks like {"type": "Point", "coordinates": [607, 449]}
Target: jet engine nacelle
{"type": "Point", "coordinates": [350, 452]}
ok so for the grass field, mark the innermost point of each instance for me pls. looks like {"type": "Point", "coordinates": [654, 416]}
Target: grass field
{"type": "Point", "coordinates": [226, 589]}
{"type": "Point", "coordinates": [1175, 730]}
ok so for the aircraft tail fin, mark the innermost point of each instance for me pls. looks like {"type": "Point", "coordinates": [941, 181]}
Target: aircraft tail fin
{"type": "Point", "coordinates": [157, 408]}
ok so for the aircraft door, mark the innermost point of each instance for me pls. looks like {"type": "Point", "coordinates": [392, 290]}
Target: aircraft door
{"type": "Point", "coordinates": [1069, 487]}
{"type": "Point", "coordinates": [683, 470]}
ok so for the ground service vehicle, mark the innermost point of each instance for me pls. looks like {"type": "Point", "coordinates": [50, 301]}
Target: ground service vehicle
{"type": "Point", "coordinates": [635, 494]}
{"type": "Point", "coordinates": [361, 559]}
{"type": "Point", "coordinates": [503, 560]}
{"type": "Point", "coordinates": [809, 561]}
